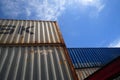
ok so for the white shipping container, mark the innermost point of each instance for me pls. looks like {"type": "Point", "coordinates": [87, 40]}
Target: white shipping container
{"type": "Point", "coordinates": [34, 63]}
{"type": "Point", "coordinates": [33, 50]}
{"type": "Point", "coordinates": [29, 31]}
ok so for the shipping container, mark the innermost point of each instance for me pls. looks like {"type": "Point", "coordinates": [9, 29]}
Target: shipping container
{"type": "Point", "coordinates": [86, 61]}
{"type": "Point", "coordinates": [33, 50]}
{"type": "Point", "coordinates": [84, 73]}
{"type": "Point", "coordinates": [28, 32]}
{"type": "Point", "coordinates": [34, 63]}
{"type": "Point", "coordinates": [110, 71]}
{"type": "Point", "coordinates": [92, 57]}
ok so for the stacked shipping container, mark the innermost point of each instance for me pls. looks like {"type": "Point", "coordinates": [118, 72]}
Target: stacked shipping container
{"type": "Point", "coordinates": [28, 32]}
{"type": "Point", "coordinates": [33, 50]}
{"type": "Point", "coordinates": [86, 61]}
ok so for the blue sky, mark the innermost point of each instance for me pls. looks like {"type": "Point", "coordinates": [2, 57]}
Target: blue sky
{"type": "Point", "coordinates": [83, 23]}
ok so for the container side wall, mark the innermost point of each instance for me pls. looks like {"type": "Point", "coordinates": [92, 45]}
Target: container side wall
{"type": "Point", "coordinates": [84, 73]}
{"type": "Point", "coordinates": [34, 63]}
{"type": "Point", "coordinates": [24, 31]}
{"type": "Point", "coordinates": [92, 57]}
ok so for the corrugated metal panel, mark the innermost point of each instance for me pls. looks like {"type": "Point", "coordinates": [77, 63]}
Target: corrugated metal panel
{"type": "Point", "coordinates": [84, 73]}
{"type": "Point", "coordinates": [107, 72]}
{"type": "Point", "coordinates": [34, 63]}
{"type": "Point", "coordinates": [27, 57]}
{"type": "Point", "coordinates": [28, 31]}
{"type": "Point", "coordinates": [92, 57]}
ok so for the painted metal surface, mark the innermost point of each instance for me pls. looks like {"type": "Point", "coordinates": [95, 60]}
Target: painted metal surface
{"type": "Point", "coordinates": [34, 63]}
{"type": "Point", "coordinates": [28, 31]}
{"type": "Point", "coordinates": [107, 72]}
{"type": "Point", "coordinates": [92, 57]}
{"type": "Point", "coordinates": [33, 50]}
{"type": "Point", "coordinates": [84, 73]}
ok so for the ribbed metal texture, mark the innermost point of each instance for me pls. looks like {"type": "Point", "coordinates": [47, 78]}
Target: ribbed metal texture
{"type": "Point", "coordinates": [28, 31]}
{"type": "Point", "coordinates": [33, 50]}
{"type": "Point", "coordinates": [92, 57]}
{"type": "Point", "coordinates": [34, 63]}
{"type": "Point", "coordinates": [84, 73]}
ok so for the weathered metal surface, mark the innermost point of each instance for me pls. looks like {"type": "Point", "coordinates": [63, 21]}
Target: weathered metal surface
{"type": "Point", "coordinates": [92, 57]}
{"type": "Point", "coordinates": [26, 51]}
{"type": "Point", "coordinates": [108, 72]}
{"type": "Point", "coordinates": [34, 63]}
{"type": "Point", "coordinates": [84, 73]}
{"type": "Point", "coordinates": [28, 31]}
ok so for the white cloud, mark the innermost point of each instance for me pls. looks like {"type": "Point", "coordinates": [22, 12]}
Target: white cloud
{"type": "Point", "coordinates": [115, 43]}
{"type": "Point", "coordinates": [94, 6]}
{"type": "Point", "coordinates": [46, 9]}
{"type": "Point", "coordinates": [28, 12]}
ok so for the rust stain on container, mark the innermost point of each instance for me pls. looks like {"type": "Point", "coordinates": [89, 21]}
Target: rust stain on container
{"type": "Point", "coordinates": [33, 49]}
{"type": "Point", "coordinates": [33, 31]}
{"type": "Point", "coordinates": [84, 73]}
{"type": "Point", "coordinates": [34, 63]}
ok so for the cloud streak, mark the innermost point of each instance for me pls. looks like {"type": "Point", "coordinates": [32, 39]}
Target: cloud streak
{"type": "Point", "coordinates": [115, 43]}
{"type": "Point", "coordinates": [37, 9]}
{"type": "Point", "coordinates": [44, 9]}
{"type": "Point", "coordinates": [94, 6]}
